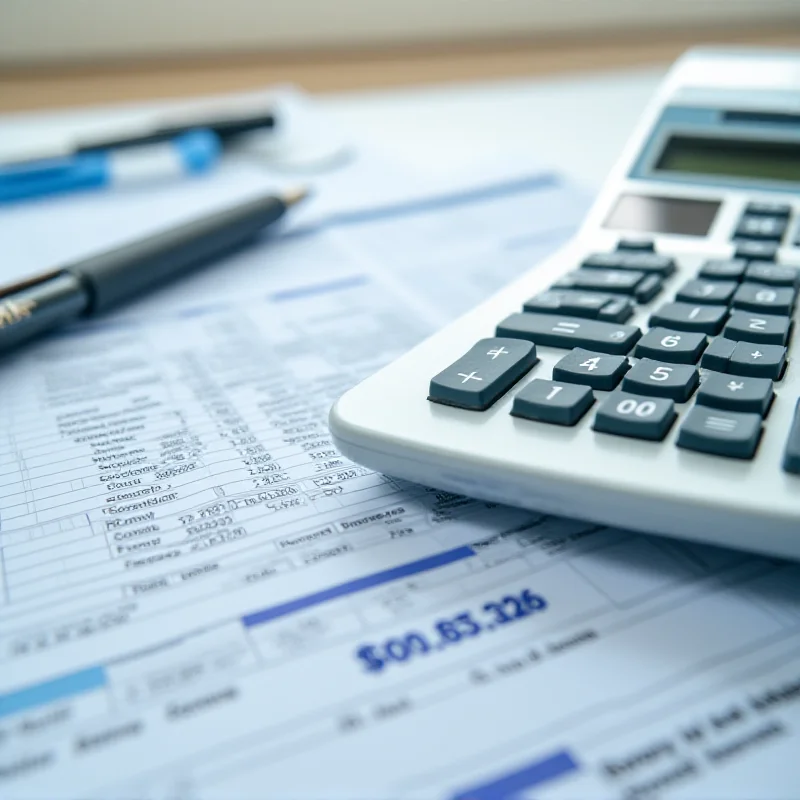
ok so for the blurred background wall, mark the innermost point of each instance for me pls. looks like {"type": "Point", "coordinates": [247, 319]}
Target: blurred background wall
{"type": "Point", "coordinates": [40, 31]}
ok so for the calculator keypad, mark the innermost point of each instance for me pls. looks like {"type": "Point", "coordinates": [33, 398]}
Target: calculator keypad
{"type": "Point", "coordinates": [721, 339]}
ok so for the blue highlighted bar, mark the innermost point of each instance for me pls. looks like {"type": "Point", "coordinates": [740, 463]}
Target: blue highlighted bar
{"type": "Point", "coordinates": [357, 585]}
{"type": "Point", "coordinates": [535, 774]}
{"type": "Point", "coordinates": [318, 288]}
{"type": "Point", "coordinates": [48, 692]}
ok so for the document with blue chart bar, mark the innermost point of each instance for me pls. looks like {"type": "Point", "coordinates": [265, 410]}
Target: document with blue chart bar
{"type": "Point", "coordinates": [200, 598]}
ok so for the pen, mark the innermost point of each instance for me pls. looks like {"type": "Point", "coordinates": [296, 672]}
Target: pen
{"type": "Point", "coordinates": [36, 305]}
{"type": "Point", "coordinates": [226, 124]}
{"type": "Point", "coordinates": [189, 153]}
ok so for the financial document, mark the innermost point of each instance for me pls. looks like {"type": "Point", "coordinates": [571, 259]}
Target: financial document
{"type": "Point", "coordinates": [200, 598]}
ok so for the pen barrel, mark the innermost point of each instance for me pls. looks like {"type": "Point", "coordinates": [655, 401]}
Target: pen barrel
{"type": "Point", "coordinates": [120, 274]}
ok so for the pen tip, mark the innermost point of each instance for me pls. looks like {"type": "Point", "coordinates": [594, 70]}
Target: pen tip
{"type": "Point", "coordinates": [294, 196]}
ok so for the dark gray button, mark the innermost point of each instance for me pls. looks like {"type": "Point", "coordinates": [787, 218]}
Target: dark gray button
{"type": "Point", "coordinates": [725, 270]}
{"type": "Point", "coordinates": [591, 305]}
{"type": "Point", "coordinates": [757, 251]}
{"type": "Point", "coordinates": [721, 433]}
{"type": "Point", "coordinates": [731, 393]}
{"type": "Point", "coordinates": [626, 414]}
{"type": "Point", "coordinates": [707, 292]}
{"type": "Point", "coordinates": [773, 274]}
{"type": "Point", "coordinates": [598, 370]}
{"type": "Point", "coordinates": [769, 209]}
{"type": "Point", "coordinates": [791, 456]}
{"type": "Point", "coordinates": [657, 379]}
{"type": "Point", "coordinates": [548, 401]}
{"type": "Point", "coordinates": [638, 245]}
{"type": "Point", "coordinates": [648, 289]}
{"type": "Point", "coordinates": [677, 347]}
{"type": "Point", "coordinates": [690, 317]}
{"type": "Point", "coordinates": [759, 297]}
{"type": "Point", "coordinates": [758, 360]}
{"type": "Point", "coordinates": [619, 310]}
{"type": "Point", "coordinates": [759, 328]}
{"type": "Point", "coordinates": [718, 354]}
{"type": "Point", "coordinates": [638, 261]}
{"type": "Point", "coordinates": [483, 374]}
{"type": "Point", "coordinates": [554, 330]}
{"type": "Point", "coordinates": [756, 226]}
{"type": "Point", "coordinates": [618, 281]}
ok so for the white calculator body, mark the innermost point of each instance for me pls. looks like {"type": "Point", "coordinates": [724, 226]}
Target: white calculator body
{"type": "Point", "coordinates": [642, 377]}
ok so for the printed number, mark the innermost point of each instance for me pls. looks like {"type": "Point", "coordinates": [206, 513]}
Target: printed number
{"type": "Point", "coordinates": [757, 324]}
{"type": "Point", "coordinates": [670, 341]}
{"type": "Point", "coordinates": [766, 296]}
{"type": "Point", "coordinates": [553, 392]}
{"type": "Point", "coordinates": [661, 374]}
{"type": "Point", "coordinates": [591, 363]}
{"type": "Point", "coordinates": [639, 409]}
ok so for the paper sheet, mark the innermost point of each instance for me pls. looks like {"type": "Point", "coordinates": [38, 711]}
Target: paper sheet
{"type": "Point", "coordinates": [201, 599]}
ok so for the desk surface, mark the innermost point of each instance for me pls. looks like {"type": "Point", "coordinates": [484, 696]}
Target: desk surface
{"type": "Point", "coordinates": [364, 70]}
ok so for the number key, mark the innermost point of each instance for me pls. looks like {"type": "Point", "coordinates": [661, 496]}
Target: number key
{"type": "Point", "coordinates": [723, 270]}
{"type": "Point", "coordinates": [548, 401]}
{"type": "Point", "coordinates": [625, 414]}
{"type": "Point", "coordinates": [598, 370]}
{"type": "Point", "coordinates": [677, 347]}
{"type": "Point", "coordinates": [758, 297]}
{"type": "Point", "coordinates": [744, 326]}
{"type": "Point", "coordinates": [676, 381]}
{"type": "Point", "coordinates": [711, 292]}
{"type": "Point", "coordinates": [689, 317]}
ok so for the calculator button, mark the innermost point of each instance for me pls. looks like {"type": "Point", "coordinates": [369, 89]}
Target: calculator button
{"type": "Point", "coordinates": [731, 393]}
{"type": "Point", "coordinates": [677, 347]}
{"type": "Point", "coordinates": [626, 414]}
{"type": "Point", "coordinates": [791, 456]}
{"type": "Point", "coordinates": [618, 281]}
{"type": "Point", "coordinates": [690, 317]}
{"type": "Point", "coordinates": [757, 251]}
{"type": "Point", "coordinates": [591, 305]}
{"type": "Point", "coordinates": [720, 433]}
{"type": "Point", "coordinates": [758, 297]}
{"type": "Point", "coordinates": [707, 292]}
{"type": "Point", "coordinates": [754, 226]}
{"type": "Point", "coordinates": [769, 209]}
{"type": "Point", "coordinates": [483, 374]}
{"type": "Point", "coordinates": [554, 330]}
{"type": "Point", "coordinates": [597, 370]}
{"type": "Point", "coordinates": [655, 378]}
{"type": "Point", "coordinates": [725, 270]}
{"type": "Point", "coordinates": [637, 261]}
{"type": "Point", "coordinates": [718, 354]}
{"type": "Point", "coordinates": [619, 310]}
{"type": "Point", "coordinates": [638, 245]}
{"type": "Point", "coordinates": [758, 360]}
{"type": "Point", "coordinates": [648, 289]}
{"type": "Point", "coordinates": [773, 274]}
{"type": "Point", "coordinates": [548, 401]}
{"type": "Point", "coordinates": [759, 328]}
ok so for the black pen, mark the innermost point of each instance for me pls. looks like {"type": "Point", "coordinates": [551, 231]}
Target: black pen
{"type": "Point", "coordinates": [41, 303]}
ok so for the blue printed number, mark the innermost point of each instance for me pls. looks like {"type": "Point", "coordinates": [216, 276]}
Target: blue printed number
{"type": "Point", "coordinates": [376, 657]}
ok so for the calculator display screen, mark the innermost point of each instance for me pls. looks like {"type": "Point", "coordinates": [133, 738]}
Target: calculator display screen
{"type": "Point", "coordinates": [648, 214]}
{"type": "Point", "coordinates": [731, 158]}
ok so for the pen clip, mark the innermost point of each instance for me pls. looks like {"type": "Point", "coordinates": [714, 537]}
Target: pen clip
{"type": "Point", "coordinates": [26, 283]}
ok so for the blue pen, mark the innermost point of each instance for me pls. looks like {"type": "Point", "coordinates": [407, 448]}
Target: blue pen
{"type": "Point", "coordinates": [190, 153]}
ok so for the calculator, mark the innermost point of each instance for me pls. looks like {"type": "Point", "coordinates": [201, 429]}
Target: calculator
{"type": "Point", "coordinates": [641, 377]}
